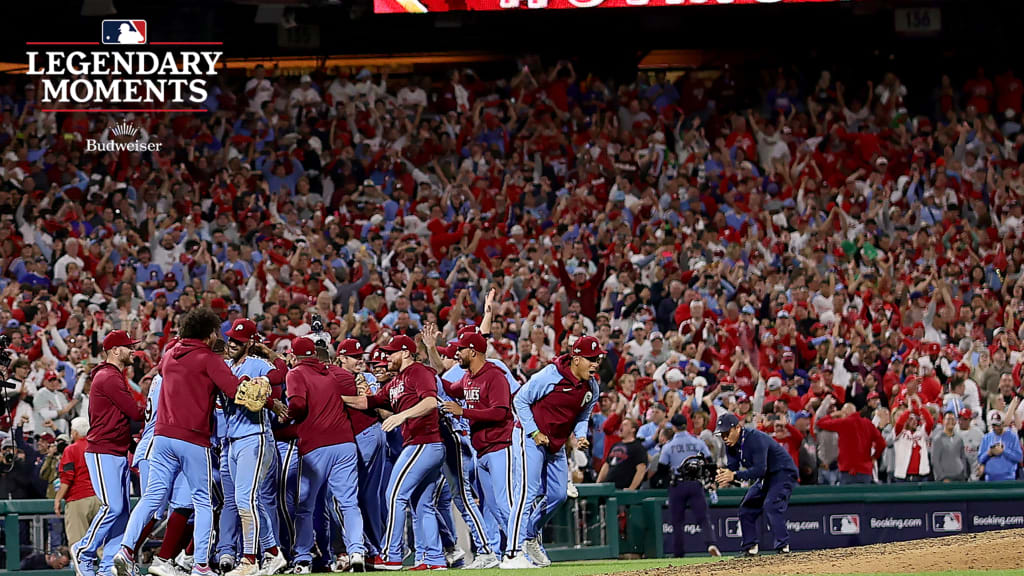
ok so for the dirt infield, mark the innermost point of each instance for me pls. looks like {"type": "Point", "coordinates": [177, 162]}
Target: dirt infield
{"type": "Point", "coordinates": [1001, 550]}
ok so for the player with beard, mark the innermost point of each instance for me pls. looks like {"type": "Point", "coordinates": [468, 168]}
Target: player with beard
{"type": "Point", "coordinates": [553, 406]}
{"type": "Point", "coordinates": [412, 395]}
{"type": "Point", "coordinates": [488, 407]}
{"type": "Point", "coordinates": [371, 447]}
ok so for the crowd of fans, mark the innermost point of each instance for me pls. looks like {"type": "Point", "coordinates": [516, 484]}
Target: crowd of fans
{"type": "Point", "coordinates": [831, 267]}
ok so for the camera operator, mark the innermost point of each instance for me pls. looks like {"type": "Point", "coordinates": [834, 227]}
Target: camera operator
{"type": "Point", "coordinates": [683, 494]}
{"type": "Point", "coordinates": [769, 466]}
{"type": "Point", "coordinates": [14, 389]}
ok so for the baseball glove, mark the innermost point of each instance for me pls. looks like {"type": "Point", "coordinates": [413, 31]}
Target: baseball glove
{"type": "Point", "coordinates": [253, 393]}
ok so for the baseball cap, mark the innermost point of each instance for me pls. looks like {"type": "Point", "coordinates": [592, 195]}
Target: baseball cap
{"type": "Point", "coordinates": [468, 329]}
{"type": "Point", "coordinates": [872, 395]}
{"type": "Point", "coordinates": [48, 437]}
{"type": "Point", "coordinates": [234, 308]}
{"type": "Point", "coordinates": [400, 342]}
{"type": "Point", "coordinates": [303, 347]}
{"type": "Point", "coordinates": [350, 347]}
{"type": "Point", "coordinates": [50, 375]}
{"type": "Point", "coordinates": [170, 276]}
{"type": "Point", "coordinates": [587, 347]}
{"type": "Point", "coordinates": [966, 414]}
{"type": "Point", "coordinates": [802, 414]}
{"type": "Point", "coordinates": [218, 304]}
{"type": "Point", "coordinates": [774, 383]}
{"type": "Point", "coordinates": [472, 340]}
{"type": "Point", "coordinates": [379, 357]}
{"type": "Point", "coordinates": [242, 330]}
{"type": "Point", "coordinates": [656, 336]}
{"type": "Point", "coordinates": [679, 421]}
{"type": "Point", "coordinates": [741, 396]}
{"type": "Point", "coordinates": [747, 309]}
{"type": "Point", "coordinates": [118, 338]}
{"type": "Point", "coordinates": [726, 422]}
{"type": "Point", "coordinates": [963, 367]}
{"type": "Point", "coordinates": [995, 418]}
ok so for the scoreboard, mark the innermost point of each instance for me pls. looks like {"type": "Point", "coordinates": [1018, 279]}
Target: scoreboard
{"type": "Point", "coordinates": [428, 6]}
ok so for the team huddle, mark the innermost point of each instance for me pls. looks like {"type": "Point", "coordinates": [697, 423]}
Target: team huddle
{"type": "Point", "coordinates": [258, 464]}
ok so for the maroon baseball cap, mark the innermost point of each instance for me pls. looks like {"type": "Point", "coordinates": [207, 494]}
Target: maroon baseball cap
{"type": "Point", "coordinates": [242, 330]}
{"type": "Point", "coordinates": [966, 414]}
{"type": "Point", "coordinates": [351, 347]}
{"type": "Point", "coordinates": [379, 357]}
{"type": "Point", "coordinates": [449, 350]}
{"type": "Point", "coordinates": [473, 340]}
{"type": "Point", "coordinates": [303, 348]}
{"type": "Point", "coordinates": [468, 329]}
{"type": "Point", "coordinates": [118, 338]}
{"type": "Point", "coordinates": [170, 276]}
{"type": "Point", "coordinates": [398, 343]}
{"type": "Point", "coordinates": [588, 347]}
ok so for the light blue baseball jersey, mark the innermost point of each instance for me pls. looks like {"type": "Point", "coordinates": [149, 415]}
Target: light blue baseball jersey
{"type": "Point", "coordinates": [239, 421]}
{"type": "Point", "coordinates": [145, 446]}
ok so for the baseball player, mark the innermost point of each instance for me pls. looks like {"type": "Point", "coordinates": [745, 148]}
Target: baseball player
{"type": "Point", "coordinates": [249, 444]}
{"type": "Point", "coordinates": [553, 405]}
{"type": "Point", "coordinates": [176, 533]}
{"type": "Point", "coordinates": [111, 410]}
{"type": "Point", "coordinates": [327, 449]}
{"type": "Point", "coordinates": [192, 373]}
{"type": "Point", "coordinates": [770, 467]}
{"type": "Point", "coordinates": [487, 392]}
{"type": "Point", "coordinates": [371, 447]}
{"type": "Point", "coordinates": [412, 396]}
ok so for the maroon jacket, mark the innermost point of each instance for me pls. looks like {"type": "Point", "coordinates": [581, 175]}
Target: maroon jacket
{"type": "Point", "coordinates": [111, 409]}
{"type": "Point", "coordinates": [192, 374]}
{"type": "Point", "coordinates": [314, 400]}
{"type": "Point", "coordinates": [406, 390]}
{"type": "Point", "coordinates": [488, 407]}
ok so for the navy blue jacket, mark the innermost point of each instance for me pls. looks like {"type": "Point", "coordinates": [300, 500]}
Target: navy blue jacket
{"type": "Point", "coordinates": [761, 455]}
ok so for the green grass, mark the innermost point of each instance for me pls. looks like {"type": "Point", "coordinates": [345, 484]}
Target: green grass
{"type": "Point", "coordinates": [617, 566]}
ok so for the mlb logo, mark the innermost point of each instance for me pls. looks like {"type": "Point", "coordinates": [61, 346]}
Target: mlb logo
{"type": "Point", "coordinates": [733, 528]}
{"type": "Point", "coordinates": [130, 32]}
{"type": "Point", "coordinates": [947, 521]}
{"type": "Point", "coordinates": [844, 524]}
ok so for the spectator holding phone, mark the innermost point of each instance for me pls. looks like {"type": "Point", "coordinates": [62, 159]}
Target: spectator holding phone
{"type": "Point", "coordinates": [1000, 451]}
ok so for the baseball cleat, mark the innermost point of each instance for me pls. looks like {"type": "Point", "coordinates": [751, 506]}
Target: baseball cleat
{"type": "Point", "coordinates": [304, 567]}
{"type": "Point", "coordinates": [535, 550]}
{"type": "Point", "coordinates": [783, 550]}
{"type": "Point", "coordinates": [517, 562]}
{"type": "Point", "coordinates": [161, 567]}
{"type": "Point", "coordinates": [356, 562]}
{"type": "Point", "coordinates": [202, 570]}
{"type": "Point", "coordinates": [245, 568]}
{"type": "Point", "coordinates": [430, 567]}
{"type": "Point", "coordinates": [483, 562]}
{"type": "Point", "coordinates": [714, 551]}
{"type": "Point", "coordinates": [273, 564]}
{"type": "Point", "coordinates": [752, 551]}
{"type": "Point", "coordinates": [454, 556]}
{"type": "Point", "coordinates": [124, 563]}
{"type": "Point", "coordinates": [381, 564]}
{"type": "Point", "coordinates": [340, 563]}
{"type": "Point", "coordinates": [226, 563]}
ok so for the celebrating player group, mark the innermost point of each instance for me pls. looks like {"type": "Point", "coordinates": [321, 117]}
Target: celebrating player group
{"type": "Point", "coordinates": [260, 464]}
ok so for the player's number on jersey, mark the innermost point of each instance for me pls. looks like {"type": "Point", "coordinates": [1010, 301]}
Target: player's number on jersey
{"type": "Point", "coordinates": [149, 409]}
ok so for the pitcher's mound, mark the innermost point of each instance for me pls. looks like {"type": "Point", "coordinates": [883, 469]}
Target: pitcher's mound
{"type": "Point", "coordinates": [999, 550]}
